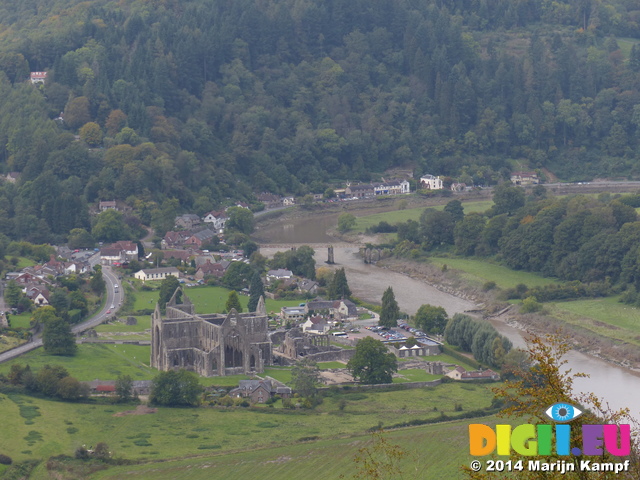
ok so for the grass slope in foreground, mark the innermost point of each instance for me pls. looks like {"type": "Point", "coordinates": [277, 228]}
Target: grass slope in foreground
{"type": "Point", "coordinates": [39, 428]}
{"type": "Point", "coordinates": [434, 452]}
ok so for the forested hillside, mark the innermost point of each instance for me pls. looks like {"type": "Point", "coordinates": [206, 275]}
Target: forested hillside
{"type": "Point", "coordinates": [182, 105]}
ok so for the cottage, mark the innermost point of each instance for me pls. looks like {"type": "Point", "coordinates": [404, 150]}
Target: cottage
{"type": "Point", "coordinates": [430, 182]}
{"type": "Point", "coordinates": [270, 200]}
{"type": "Point", "coordinates": [458, 187]}
{"type": "Point", "coordinates": [37, 77]}
{"type": "Point", "coordinates": [392, 188]}
{"type": "Point", "coordinates": [525, 178]}
{"type": "Point", "coordinates": [200, 238]}
{"type": "Point", "coordinates": [288, 201]}
{"type": "Point", "coordinates": [157, 273]}
{"type": "Point", "coordinates": [359, 191]}
{"type": "Point", "coordinates": [12, 177]}
{"type": "Point", "coordinates": [308, 286]}
{"type": "Point", "coordinates": [258, 391]}
{"type": "Point", "coordinates": [217, 218]}
{"type": "Point", "coordinates": [210, 269]}
{"type": "Point", "coordinates": [279, 274]}
{"type": "Point", "coordinates": [316, 324]}
{"type": "Point", "coordinates": [174, 239]}
{"type": "Point", "coordinates": [187, 221]}
{"type": "Point", "coordinates": [460, 373]}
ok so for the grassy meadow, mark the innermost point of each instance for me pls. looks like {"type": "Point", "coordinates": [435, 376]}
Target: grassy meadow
{"type": "Point", "coordinates": [480, 271]}
{"type": "Point", "coordinates": [604, 316]}
{"type": "Point", "coordinates": [42, 428]}
{"type": "Point", "coordinates": [399, 216]}
{"type": "Point", "coordinates": [435, 452]}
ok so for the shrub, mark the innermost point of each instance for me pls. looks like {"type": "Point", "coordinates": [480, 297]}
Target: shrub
{"type": "Point", "coordinates": [530, 305]}
{"type": "Point", "coordinates": [5, 459]}
{"type": "Point", "coordinates": [489, 286]}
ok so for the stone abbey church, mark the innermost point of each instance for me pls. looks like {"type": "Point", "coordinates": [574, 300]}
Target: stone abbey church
{"type": "Point", "coordinates": [211, 344]}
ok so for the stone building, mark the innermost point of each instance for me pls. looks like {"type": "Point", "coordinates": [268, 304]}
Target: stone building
{"type": "Point", "coordinates": [210, 344]}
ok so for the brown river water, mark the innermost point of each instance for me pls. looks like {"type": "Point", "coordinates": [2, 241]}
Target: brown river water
{"type": "Point", "coordinates": [619, 387]}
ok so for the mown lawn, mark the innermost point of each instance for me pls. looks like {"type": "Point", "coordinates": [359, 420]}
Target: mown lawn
{"type": "Point", "coordinates": [399, 216]}
{"type": "Point", "coordinates": [604, 316]}
{"type": "Point", "coordinates": [20, 321]}
{"type": "Point", "coordinates": [481, 271]}
{"type": "Point", "coordinates": [41, 428]}
{"type": "Point", "coordinates": [208, 299]}
{"type": "Point", "coordinates": [94, 361]}
{"type": "Point", "coordinates": [415, 375]}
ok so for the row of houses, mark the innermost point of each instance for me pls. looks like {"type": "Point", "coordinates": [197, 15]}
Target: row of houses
{"type": "Point", "coordinates": [37, 281]}
{"type": "Point", "coordinates": [367, 190]}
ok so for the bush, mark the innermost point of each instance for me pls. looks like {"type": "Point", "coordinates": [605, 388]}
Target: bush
{"type": "Point", "coordinates": [489, 286]}
{"type": "Point", "coordinates": [530, 305]}
{"type": "Point", "coordinates": [5, 459]}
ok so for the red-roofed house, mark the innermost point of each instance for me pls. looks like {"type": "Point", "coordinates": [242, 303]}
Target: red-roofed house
{"type": "Point", "coordinates": [37, 77]}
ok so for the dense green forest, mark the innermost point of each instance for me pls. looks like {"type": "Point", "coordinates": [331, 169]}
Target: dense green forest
{"type": "Point", "coordinates": [592, 242]}
{"type": "Point", "coordinates": [186, 105]}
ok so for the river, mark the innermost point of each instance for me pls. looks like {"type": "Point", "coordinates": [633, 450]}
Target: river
{"type": "Point", "coordinates": [619, 387]}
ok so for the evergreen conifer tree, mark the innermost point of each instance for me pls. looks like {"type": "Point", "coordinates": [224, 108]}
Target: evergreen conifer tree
{"type": "Point", "coordinates": [256, 290]}
{"type": "Point", "coordinates": [339, 288]}
{"type": "Point", "coordinates": [390, 310]}
{"type": "Point", "coordinates": [233, 302]}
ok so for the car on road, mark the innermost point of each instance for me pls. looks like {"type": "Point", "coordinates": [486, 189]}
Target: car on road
{"type": "Point", "coordinates": [112, 307]}
{"type": "Point", "coordinates": [108, 311]}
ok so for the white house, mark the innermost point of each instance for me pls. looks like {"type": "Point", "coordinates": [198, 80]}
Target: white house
{"type": "Point", "coordinates": [392, 188]}
{"type": "Point", "coordinates": [431, 183]}
{"type": "Point", "coordinates": [38, 77]}
{"type": "Point", "coordinates": [315, 325]}
{"type": "Point", "coordinates": [218, 219]}
{"type": "Point", "coordinates": [157, 273]}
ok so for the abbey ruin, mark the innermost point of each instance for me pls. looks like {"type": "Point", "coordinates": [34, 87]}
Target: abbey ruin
{"type": "Point", "coordinates": [209, 344]}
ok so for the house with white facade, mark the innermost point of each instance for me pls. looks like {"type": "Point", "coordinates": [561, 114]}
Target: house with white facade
{"type": "Point", "coordinates": [217, 218]}
{"type": "Point", "coordinates": [430, 182]}
{"type": "Point", "coordinates": [157, 273]}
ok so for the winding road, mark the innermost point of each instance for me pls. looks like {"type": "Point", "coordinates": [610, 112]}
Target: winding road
{"type": "Point", "coordinates": [113, 298]}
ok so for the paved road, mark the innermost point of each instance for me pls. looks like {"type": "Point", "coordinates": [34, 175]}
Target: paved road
{"type": "Point", "coordinates": [113, 299]}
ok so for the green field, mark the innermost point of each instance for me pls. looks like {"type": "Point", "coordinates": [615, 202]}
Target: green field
{"type": "Point", "coordinates": [208, 299]}
{"type": "Point", "coordinates": [398, 216]}
{"type": "Point", "coordinates": [60, 427]}
{"type": "Point", "coordinates": [20, 321]}
{"type": "Point", "coordinates": [415, 375]}
{"type": "Point", "coordinates": [434, 452]}
{"type": "Point", "coordinates": [604, 316]}
{"type": "Point", "coordinates": [481, 271]}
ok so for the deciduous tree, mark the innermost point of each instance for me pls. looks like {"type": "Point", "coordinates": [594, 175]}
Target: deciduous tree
{"type": "Point", "coordinates": [372, 363]}
{"type": "Point", "coordinates": [431, 319]}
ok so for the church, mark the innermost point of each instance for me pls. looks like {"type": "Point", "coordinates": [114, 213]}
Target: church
{"type": "Point", "coordinates": [209, 344]}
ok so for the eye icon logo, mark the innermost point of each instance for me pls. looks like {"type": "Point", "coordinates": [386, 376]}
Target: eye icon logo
{"type": "Point", "coordinates": [563, 412]}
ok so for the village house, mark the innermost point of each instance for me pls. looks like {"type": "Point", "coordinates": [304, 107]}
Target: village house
{"type": "Point", "coordinates": [187, 221]}
{"type": "Point", "coordinates": [279, 274]}
{"type": "Point", "coordinates": [458, 187]}
{"type": "Point", "coordinates": [308, 286]}
{"type": "Point", "coordinates": [460, 373]}
{"type": "Point", "coordinates": [270, 200]}
{"type": "Point", "coordinates": [157, 273]}
{"type": "Point", "coordinates": [292, 313]}
{"type": "Point", "coordinates": [218, 219]}
{"type": "Point", "coordinates": [316, 324]}
{"type": "Point", "coordinates": [259, 391]}
{"type": "Point", "coordinates": [200, 238]}
{"type": "Point", "coordinates": [37, 77]}
{"type": "Point", "coordinates": [119, 252]}
{"type": "Point", "coordinates": [392, 188]}
{"type": "Point", "coordinates": [429, 182]}
{"type": "Point", "coordinates": [359, 191]}
{"type": "Point", "coordinates": [174, 239]}
{"type": "Point", "coordinates": [183, 255]}
{"type": "Point", "coordinates": [344, 310]}
{"type": "Point", "coordinates": [38, 295]}
{"type": "Point", "coordinates": [525, 178]}
{"type": "Point", "coordinates": [210, 269]}
{"type": "Point", "coordinates": [288, 201]}
{"type": "Point", "coordinates": [12, 177]}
